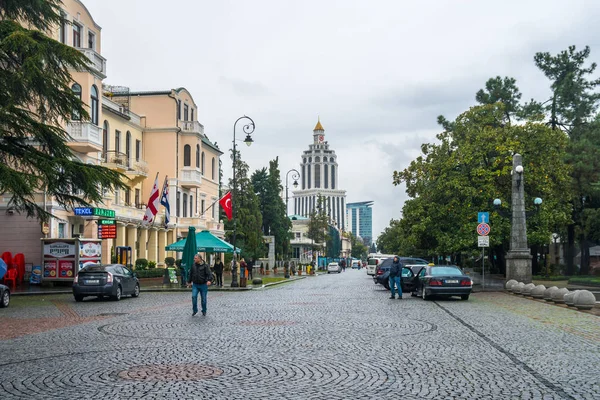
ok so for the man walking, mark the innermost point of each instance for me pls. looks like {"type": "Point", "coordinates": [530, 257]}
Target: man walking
{"type": "Point", "coordinates": [218, 268]}
{"type": "Point", "coordinates": [199, 278]}
{"type": "Point", "coordinates": [395, 275]}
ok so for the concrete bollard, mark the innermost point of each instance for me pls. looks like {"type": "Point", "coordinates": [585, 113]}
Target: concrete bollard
{"type": "Point", "coordinates": [570, 298]}
{"type": "Point", "coordinates": [584, 300]}
{"type": "Point", "coordinates": [549, 292]}
{"type": "Point", "coordinates": [526, 291]}
{"type": "Point", "coordinates": [538, 292]}
{"type": "Point", "coordinates": [559, 295]}
{"type": "Point", "coordinates": [518, 288]}
{"type": "Point", "coordinates": [257, 281]}
{"type": "Point", "coordinates": [508, 285]}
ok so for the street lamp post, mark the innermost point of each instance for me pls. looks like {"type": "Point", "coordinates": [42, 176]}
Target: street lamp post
{"type": "Point", "coordinates": [248, 129]}
{"type": "Point", "coordinates": [295, 177]}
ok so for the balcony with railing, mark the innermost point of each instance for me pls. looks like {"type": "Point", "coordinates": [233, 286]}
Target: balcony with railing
{"type": "Point", "coordinates": [85, 137]}
{"type": "Point", "coordinates": [190, 177]}
{"type": "Point", "coordinates": [97, 62]}
{"type": "Point", "coordinates": [191, 127]}
{"type": "Point", "coordinates": [116, 160]}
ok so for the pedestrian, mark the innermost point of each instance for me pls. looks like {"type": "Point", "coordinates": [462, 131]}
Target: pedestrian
{"type": "Point", "coordinates": [251, 268]}
{"type": "Point", "coordinates": [244, 266]}
{"type": "Point", "coordinates": [199, 279]}
{"type": "Point", "coordinates": [218, 268]}
{"type": "Point", "coordinates": [395, 275]}
{"type": "Point", "coordinates": [343, 265]}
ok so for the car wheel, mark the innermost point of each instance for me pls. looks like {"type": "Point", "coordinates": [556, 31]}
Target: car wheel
{"type": "Point", "coordinates": [464, 297]}
{"type": "Point", "coordinates": [424, 294]}
{"type": "Point", "coordinates": [136, 291]}
{"type": "Point", "coordinates": [117, 297]}
{"type": "Point", "coordinates": [78, 298]}
{"type": "Point", "coordinates": [5, 301]}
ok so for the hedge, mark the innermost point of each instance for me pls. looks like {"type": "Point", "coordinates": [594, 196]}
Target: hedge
{"type": "Point", "coordinates": [549, 278]}
{"type": "Point", "coordinates": [585, 280]}
{"type": "Point", "coordinates": [150, 273]}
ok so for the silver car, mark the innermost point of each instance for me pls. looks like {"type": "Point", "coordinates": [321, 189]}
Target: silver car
{"type": "Point", "coordinates": [334, 267]}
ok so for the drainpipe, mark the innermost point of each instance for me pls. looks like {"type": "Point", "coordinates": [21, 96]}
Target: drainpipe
{"type": "Point", "coordinates": [176, 153]}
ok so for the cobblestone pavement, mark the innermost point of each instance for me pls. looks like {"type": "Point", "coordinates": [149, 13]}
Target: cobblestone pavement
{"type": "Point", "coordinates": [325, 337]}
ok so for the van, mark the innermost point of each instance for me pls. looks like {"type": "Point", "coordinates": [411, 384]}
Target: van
{"type": "Point", "coordinates": [374, 260]}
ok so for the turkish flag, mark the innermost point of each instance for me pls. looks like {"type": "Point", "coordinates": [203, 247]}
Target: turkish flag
{"type": "Point", "coordinates": [225, 203]}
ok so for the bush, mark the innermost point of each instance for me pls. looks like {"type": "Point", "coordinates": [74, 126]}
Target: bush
{"type": "Point", "coordinates": [141, 264]}
{"type": "Point", "coordinates": [150, 273]}
{"type": "Point", "coordinates": [549, 278]}
{"type": "Point", "coordinates": [151, 264]}
{"type": "Point", "coordinates": [170, 261]}
{"type": "Point", "coordinates": [585, 280]}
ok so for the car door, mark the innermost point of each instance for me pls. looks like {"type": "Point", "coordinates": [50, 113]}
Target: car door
{"type": "Point", "coordinates": [128, 279]}
{"type": "Point", "coordinates": [119, 276]}
{"type": "Point", "coordinates": [407, 280]}
{"type": "Point", "coordinates": [420, 279]}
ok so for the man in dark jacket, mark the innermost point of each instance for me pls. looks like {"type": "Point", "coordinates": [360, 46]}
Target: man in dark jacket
{"type": "Point", "coordinates": [199, 278]}
{"type": "Point", "coordinates": [395, 276]}
{"type": "Point", "coordinates": [218, 268]}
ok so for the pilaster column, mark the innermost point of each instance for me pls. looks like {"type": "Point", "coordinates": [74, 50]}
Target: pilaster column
{"type": "Point", "coordinates": [162, 242]}
{"type": "Point", "coordinates": [152, 246]}
{"type": "Point", "coordinates": [142, 240]}
{"type": "Point", "coordinates": [131, 242]}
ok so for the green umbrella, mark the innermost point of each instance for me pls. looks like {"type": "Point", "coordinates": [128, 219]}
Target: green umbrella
{"type": "Point", "coordinates": [189, 251]}
{"type": "Point", "coordinates": [206, 242]}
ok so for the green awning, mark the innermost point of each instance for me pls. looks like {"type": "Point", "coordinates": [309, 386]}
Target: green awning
{"type": "Point", "coordinates": [206, 242]}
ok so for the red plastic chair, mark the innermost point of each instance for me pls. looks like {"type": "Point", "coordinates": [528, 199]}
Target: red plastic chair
{"type": "Point", "coordinates": [19, 261]}
{"type": "Point", "coordinates": [7, 257]}
{"type": "Point", "coordinates": [11, 276]}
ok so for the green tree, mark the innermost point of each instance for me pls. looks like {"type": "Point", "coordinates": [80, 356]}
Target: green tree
{"type": "Point", "coordinates": [359, 250]}
{"type": "Point", "coordinates": [275, 220]}
{"type": "Point", "coordinates": [499, 90]}
{"type": "Point", "coordinates": [35, 101]}
{"type": "Point", "coordinates": [571, 108]}
{"type": "Point", "coordinates": [318, 223]}
{"type": "Point", "coordinates": [248, 217]}
{"type": "Point", "coordinates": [470, 166]}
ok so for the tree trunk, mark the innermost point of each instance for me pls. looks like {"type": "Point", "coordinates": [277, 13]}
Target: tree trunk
{"type": "Point", "coordinates": [570, 250]}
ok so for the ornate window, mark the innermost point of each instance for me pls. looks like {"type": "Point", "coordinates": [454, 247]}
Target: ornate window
{"type": "Point", "coordinates": [94, 104]}
{"type": "Point", "coordinates": [187, 150]}
{"type": "Point", "coordinates": [77, 92]}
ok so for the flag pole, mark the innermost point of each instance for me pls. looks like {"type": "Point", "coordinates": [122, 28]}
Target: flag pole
{"type": "Point", "coordinates": [162, 192]}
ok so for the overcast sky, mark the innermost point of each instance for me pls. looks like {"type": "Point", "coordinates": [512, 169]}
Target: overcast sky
{"type": "Point", "coordinates": [377, 72]}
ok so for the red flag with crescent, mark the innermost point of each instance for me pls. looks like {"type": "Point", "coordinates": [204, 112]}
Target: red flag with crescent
{"type": "Point", "coordinates": [225, 203]}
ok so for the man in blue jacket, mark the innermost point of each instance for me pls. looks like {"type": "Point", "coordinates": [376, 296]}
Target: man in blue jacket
{"type": "Point", "coordinates": [395, 275]}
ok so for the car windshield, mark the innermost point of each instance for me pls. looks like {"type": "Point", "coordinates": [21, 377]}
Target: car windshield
{"type": "Point", "coordinates": [93, 268]}
{"type": "Point", "coordinates": [444, 271]}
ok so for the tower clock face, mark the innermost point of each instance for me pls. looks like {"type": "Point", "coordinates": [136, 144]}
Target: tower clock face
{"type": "Point", "coordinates": [321, 138]}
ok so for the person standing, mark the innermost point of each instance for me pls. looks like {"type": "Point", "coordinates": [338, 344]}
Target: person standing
{"type": "Point", "coordinates": [218, 268]}
{"type": "Point", "coordinates": [199, 279]}
{"type": "Point", "coordinates": [251, 268]}
{"type": "Point", "coordinates": [395, 275]}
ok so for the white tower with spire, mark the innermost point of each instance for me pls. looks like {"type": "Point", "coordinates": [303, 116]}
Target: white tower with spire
{"type": "Point", "coordinates": [319, 177]}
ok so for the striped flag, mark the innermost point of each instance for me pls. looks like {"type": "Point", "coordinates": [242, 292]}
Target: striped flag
{"type": "Point", "coordinates": [152, 207]}
{"type": "Point", "coordinates": [164, 200]}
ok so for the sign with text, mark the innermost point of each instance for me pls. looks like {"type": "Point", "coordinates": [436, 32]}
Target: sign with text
{"type": "Point", "coordinates": [483, 241]}
{"type": "Point", "coordinates": [59, 249]}
{"type": "Point", "coordinates": [107, 231]}
{"type": "Point", "coordinates": [94, 212]}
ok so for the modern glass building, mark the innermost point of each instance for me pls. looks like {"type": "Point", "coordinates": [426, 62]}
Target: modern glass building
{"type": "Point", "coordinates": [360, 220]}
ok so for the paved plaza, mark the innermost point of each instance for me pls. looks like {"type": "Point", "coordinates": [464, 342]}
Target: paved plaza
{"type": "Point", "coordinates": [324, 337]}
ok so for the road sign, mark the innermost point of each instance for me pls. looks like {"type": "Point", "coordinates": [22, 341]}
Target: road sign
{"type": "Point", "coordinates": [483, 241]}
{"type": "Point", "coordinates": [483, 229]}
{"type": "Point", "coordinates": [483, 217]}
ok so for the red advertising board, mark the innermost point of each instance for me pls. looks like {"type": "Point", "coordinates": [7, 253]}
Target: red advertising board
{"type": "Point", "coordinates": [65, 268]}
{"type": "Point", "coordinates": [50, 268]}
{"type": "Point", "coordinates": [107, 231]}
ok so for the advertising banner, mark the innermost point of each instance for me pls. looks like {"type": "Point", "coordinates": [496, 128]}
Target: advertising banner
{"type": "Point", "coordinates": [65, 268]}
{"type": "Point", "coordinates": [50, 268]}
{"type": "Point", "coordinates": [59, 250]}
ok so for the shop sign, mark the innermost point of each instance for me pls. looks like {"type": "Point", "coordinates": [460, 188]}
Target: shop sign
{"type": "Point", "coordinates": [59, 249]}
{"type": "Point", "coordinates": [90, 249]}
{"type": "Point", "coordinates": [94, 212]}
{"type": "Point", "coordinates": [107, 231]}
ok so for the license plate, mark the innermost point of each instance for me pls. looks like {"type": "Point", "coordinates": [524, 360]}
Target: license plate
{"type": "Point", "coordinates": [92, 282]}
{"type": "Point", "coordinates": [451, 281]}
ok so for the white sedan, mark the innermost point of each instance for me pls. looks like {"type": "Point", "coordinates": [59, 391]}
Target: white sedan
{"type": "Point", "coordinates": [334, 267]}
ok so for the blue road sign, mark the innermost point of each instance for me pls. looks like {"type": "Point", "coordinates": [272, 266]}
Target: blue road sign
{"type": "Point", "coordinates": [483, 217]}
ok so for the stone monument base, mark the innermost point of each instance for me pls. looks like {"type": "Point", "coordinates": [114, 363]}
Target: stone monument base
{"type": "Point", "coordinates": [518, 265]}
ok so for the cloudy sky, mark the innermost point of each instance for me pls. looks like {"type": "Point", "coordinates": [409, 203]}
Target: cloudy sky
{"type": "Point", "coordinates": [377, 72]}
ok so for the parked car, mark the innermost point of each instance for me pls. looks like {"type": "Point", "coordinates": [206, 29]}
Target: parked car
{"type": "Point", "coordinates": [4, 296]}
{"type": "Point", "coordinates": [382, 273]}
{"type": "Point", "coordinates": [334, 267]}
{"type": "Point", "coordinates": [356, 264]}
{"type": "Point", "coordinates": [442, 280]}
{"type": "Point", "coordinates": [113, 280]}
{"type": "Point", "coordinates": [372, 264]}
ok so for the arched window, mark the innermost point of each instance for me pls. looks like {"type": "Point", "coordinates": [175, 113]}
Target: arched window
{"type": "Point", "coordinates": [324, 159]}
{"type": "Point", "coordinates": [326, 176]}
{"type": "Point", "coordinates": [191, 205]}
{"type": "Point", "coordinates": [187, 149]}
{"type": "Point", "coordinates": [317, 159]}
{"type": "Point", "coordinates": [202, 165]}
{"type": "Point", "coordinates": [128, 145]}
{"type": "Point", "coordinates": [213, 168]}
{"type": "Point", "coordinates": [94, 104]}
{"type": "Point", "coordinates": [197, 156]}
{"type": "Point", "coordinates": [305, 161]}
{"type": "Point", "coordinates": [317, 175]}
{"type": "Point", "coordinates": [309, 159]}
{"type": "Point", "coordinates": [77, 92]}
{"type": "Point", "coordinates": [105, 130]}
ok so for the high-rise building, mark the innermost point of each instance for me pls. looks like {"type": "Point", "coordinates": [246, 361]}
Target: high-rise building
{"type": "Point", "coordinates": [319, 179]}
{"type": "Point", "coordinates": [360, 220]}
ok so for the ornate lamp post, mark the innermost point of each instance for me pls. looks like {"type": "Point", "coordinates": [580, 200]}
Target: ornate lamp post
{"type": "Point", "coordinates": [248, 129]}
{"type": "Point", "coordinates": [295, 177]}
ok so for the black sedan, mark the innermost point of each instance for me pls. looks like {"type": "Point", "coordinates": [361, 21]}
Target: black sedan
{"type": "Point", "coordinates": [113, 280]}
{"type": "Point", "coordinates": [4, 296]}
{"type": "Point", "coordinates": [442, 280]}
{"type": "Point", "coordinates": [382, 272]}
